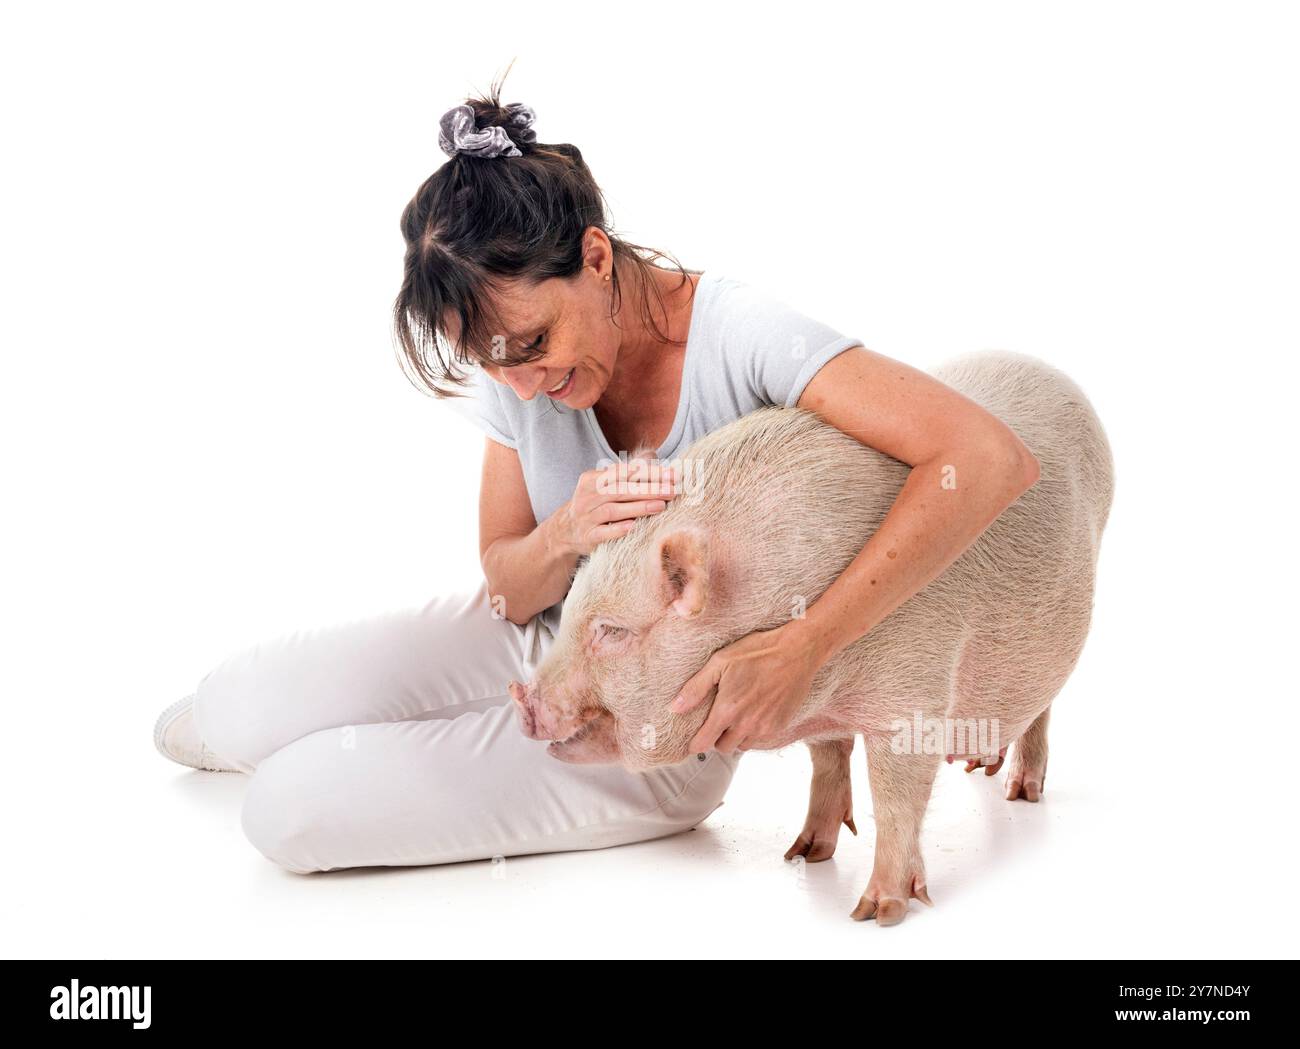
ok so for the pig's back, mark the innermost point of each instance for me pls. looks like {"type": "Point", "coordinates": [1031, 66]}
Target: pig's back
{"type": "Point", "coordinates": [1054, 418]}
{"type": "Point", "coordinates": [1038, 559]}
{"type": "Point", "coordinates": [797, 499]}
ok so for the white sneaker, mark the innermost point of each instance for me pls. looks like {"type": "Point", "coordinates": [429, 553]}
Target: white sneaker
{"type": "Point", "coordinates": [175, 738]}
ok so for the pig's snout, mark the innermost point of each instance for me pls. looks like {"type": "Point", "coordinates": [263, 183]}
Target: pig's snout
{"type": "Point", "coordinates": [539, 720]}
{"type": "Point", "coordinates": [525, 698]}
{"type": "Point", "coordinates": [536, 720]}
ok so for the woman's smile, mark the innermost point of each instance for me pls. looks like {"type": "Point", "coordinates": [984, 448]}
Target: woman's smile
{"type": "Point", "coordinates": [561, 389]}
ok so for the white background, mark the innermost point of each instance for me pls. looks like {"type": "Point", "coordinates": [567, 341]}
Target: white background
{"type": "Point", "coordinates": [207, 438]}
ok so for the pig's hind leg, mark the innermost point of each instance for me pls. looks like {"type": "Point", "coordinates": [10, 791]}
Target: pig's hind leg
{"type": "Point", "coordinates": [900, 793]}
{"type": "Point", "coordinates": [1028, 772]}
{"type": "Point", "coordinates": [830, 802]}
{"type": "Point", "coordinates": [1001, 684]}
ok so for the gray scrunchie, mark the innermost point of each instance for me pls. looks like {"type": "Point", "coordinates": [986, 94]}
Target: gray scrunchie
{"type": "Point", "coordinates": [457, 134]}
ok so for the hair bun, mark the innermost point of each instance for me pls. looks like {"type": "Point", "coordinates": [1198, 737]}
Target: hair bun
{"type": "Point", "coordinates": [458, 132]}
{"type": "Point", "coordinates": [520, 122]}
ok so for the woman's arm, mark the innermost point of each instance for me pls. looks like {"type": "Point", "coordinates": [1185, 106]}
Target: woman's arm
{"type": "Point", "coordinates": [528, 566]}
{"type": "Point", "coordinates": [526, 569]}
{"type": "Point", "coordinates": [967, 467]}
{"type": "Point", "coordinates": [942, 435]}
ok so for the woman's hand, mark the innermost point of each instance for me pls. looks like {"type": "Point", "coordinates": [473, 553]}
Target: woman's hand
{"type": "Point", "coordinates": [607, 502]}
{"type": "Point", "coordinates": [761, 681]}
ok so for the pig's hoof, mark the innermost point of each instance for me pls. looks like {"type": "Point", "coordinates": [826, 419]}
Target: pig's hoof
{"type": "Point", "coordinates": [887, 909]}
{"type": "Point", "coordinates": [1026, 780]}
{"type": "Point", "coordinates": [1027, 789]}
{"type": "Point", "coordinates": [817, 840]}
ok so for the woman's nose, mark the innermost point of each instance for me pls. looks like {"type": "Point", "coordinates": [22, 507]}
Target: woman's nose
{"type": "Point", "coordinates": [525, 380]}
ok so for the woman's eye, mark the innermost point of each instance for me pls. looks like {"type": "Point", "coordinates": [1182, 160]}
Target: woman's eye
{"type": "Point", "coordinates": [536, 344]}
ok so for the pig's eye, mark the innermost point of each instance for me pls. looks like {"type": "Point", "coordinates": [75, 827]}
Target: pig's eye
{"type": "Point", "coordinates": [609, 632]}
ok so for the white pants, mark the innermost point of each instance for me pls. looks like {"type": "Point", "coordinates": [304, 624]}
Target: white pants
{"type": "Point", "coordinates": [392, 742]}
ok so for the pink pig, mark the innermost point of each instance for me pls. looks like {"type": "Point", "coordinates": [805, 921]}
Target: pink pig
{"type": "Point", "coordinates": [772, 508]}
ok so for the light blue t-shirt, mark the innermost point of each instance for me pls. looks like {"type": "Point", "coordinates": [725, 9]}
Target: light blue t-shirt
{"type": "Point", "coordinates": [744, 349]}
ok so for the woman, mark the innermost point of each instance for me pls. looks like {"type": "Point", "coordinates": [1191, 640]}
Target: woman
{"type": "Point", "coordinates": [393, 741]}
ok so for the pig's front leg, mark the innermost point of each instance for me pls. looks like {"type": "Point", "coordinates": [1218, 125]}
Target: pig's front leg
{"type": "Point", "coordinates": [900, 792]}
{"type": "Point", "coordinates": [830, 802]}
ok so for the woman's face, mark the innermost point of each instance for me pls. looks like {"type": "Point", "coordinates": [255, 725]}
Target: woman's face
{"type": "Point", "coordinates": [569, 319]}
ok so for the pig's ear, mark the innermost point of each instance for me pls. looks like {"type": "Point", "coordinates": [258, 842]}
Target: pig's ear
{"type": "Point", "coordinates": [684, 572]}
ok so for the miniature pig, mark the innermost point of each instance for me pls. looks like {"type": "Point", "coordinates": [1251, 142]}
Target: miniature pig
{"type": "Point", "coordinates": [772, 508]}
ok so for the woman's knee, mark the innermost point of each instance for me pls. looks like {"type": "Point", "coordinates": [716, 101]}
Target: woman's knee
{"type": "Point", "coordinates": [283, 816]}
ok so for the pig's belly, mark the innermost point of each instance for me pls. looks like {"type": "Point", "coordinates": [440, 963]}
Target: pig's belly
{"type": "Point", "coordinates": [1001, 706]}
{"type": "Point", "coordinates": [978, 734]}
{"type": "Point", "coordinates": [1000, 684]}
{"type": "Point", "coordinates": [812, 730]}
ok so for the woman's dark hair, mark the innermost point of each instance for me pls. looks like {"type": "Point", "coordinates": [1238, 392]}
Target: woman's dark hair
{"type": "Point", "coordinates": [477, 220]}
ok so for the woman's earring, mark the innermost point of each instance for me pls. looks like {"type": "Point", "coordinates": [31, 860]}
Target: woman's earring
{"type": "Point", "coordinates": [607, 276]}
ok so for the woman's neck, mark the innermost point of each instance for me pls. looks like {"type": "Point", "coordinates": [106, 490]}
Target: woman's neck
{"type": "Point", "coordinates": [645, 387]}
{"type": "Point", "coordinates": [641, 348]}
